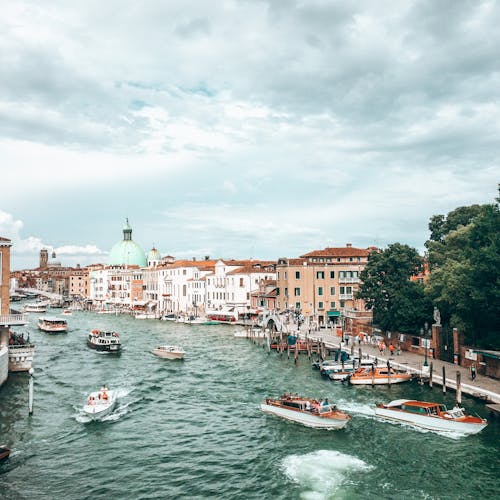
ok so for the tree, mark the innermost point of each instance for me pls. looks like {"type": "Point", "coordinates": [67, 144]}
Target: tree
{"type": "Point", "coordinates": [398, 304]}
{"type": "Point", "coordinates": [464, 255]}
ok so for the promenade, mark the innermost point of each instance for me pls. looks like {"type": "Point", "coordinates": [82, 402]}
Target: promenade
{"type": "Point", "coordinates": [482, 387]}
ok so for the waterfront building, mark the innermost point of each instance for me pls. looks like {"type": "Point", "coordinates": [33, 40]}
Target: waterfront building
{"type": "Point", "coordinates": [79, 283]}
{"type": "Point", "coordinates": [322, 284]}
{"type": "Point", "coordinates": [233, 281]}
{"type": "Point", "coordinates": [182, 285]}
{"type": "Point", "coordinates": [266, 296]}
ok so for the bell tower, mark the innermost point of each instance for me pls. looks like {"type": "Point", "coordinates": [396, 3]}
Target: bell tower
{"type": "Point", "coordinates": [44, 258]}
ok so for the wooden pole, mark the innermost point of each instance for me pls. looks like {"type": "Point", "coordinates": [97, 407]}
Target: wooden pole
{"type": "Point", "coordinates": [296, 352]}
{"type": "Point", "coordinates": [30, 392]}
{"type": "Point", "coordinates": [444, 379]}
{"type": "Point", "coordinates": [459, 390]}
{"type": "Point", "coordinates": [430, 375]}
{"type": "Point", "coordinates": [389, 372]}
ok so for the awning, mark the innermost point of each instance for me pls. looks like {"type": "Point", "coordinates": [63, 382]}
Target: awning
{"type": "Point", "coordinates": [333, 314]}
{"type": "Point", "coordinates": [489, 354]}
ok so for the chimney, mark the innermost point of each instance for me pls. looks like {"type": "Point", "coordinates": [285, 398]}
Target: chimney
{"type": "Point", "coordinates": [207, 257]}
{"type": "Point", "coordinates": [348, 245]}
{"type": "Point", "coordinates": [194, 259]}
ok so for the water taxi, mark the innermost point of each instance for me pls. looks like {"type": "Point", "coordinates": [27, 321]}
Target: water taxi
{"type": "Point", "coordinates": [52, 324]}
{"type": "Point", "coordinates": [37, 307]}
{"type": "Point", "coordinates": [169, 352]}
{"type": "Point", "coordinates": [4, 452]}
{"type": "Point", "coordinates": [306, 411]}
{"type": "Point", "coordinates": [104, 341]}
{"type": "Point", "coordinates": [432, 416]}
{"type": "Point", "coordinates": [100, 403]}
{"type": "Point", "coordinates": [373, 375]}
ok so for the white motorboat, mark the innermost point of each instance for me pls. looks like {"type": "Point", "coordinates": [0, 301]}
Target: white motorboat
{"type": "Point", "coordinates": [378, 376]}
{"type": "Point", "coordinates": [169, 352]}
{"type": "Point", "coordinates": [145, 316]}
{"type": "Point", "coordinates": [100, 403]}
{"type": "Point", "coordinates": [306, 411]}
{"type": "Point", "coordinates": [52, 324]}
{"type": "Point", "coordinates": [432, 416]}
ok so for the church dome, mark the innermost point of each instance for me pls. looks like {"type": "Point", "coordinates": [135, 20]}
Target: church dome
{"type": "Point", "coordinates": [127, 252]}
{"type": "Point", "coordinates": [154, 255]}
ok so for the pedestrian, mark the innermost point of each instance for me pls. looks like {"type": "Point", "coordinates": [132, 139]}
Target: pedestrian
{"type": "Point", "coordinates": [391, 348]}
{"type": "Point", "coordinates": [473, 372]}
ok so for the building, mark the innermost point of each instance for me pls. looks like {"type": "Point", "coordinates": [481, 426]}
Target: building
{"type": "Point", "coordinates": [321, 284]}
{"type": "Point", "coordinates": [127, 252]}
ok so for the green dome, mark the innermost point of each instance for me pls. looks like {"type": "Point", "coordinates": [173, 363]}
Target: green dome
{"type": "Point", "coordinates": [153, 255]}
{"type": "Point", "coordinates": [127, 252]}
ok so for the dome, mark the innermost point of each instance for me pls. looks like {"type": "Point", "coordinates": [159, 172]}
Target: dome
{"type": "Point", "coordinates": [127, 252]}
{"type": "Point", "coordinates": [154, 255]}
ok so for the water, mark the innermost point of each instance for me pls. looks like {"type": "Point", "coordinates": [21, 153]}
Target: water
{"type": "Point", "coordinates": [193, 428]}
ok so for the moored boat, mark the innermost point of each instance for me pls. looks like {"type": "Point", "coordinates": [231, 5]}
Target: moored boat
{"type": "Point", "coordinates": [432, 416]}
{"type": "Point", "coordinates": [100, 403]}
{"type": "Point", "coordinates": [374, 375]}
{"type": "Point", "coordinates": [52, 324]}
{"type": "Point", "coordinates": [67, 312]}
{"type": "Point", "coordinates": [169, 352]}
{"type": "Point", "coordinates": [306, 411]}
{"type": "Point", "coordinates": [104, 341]}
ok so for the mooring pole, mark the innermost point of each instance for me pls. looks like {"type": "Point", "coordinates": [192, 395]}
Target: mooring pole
{"type": "Point", "coordinates": [30, 392]}
{"type": "Point", "coordinates": [430, 375]}
{"type": "Point", "coordinates": [459, 390]}
{"type": "Point", "coordinates": [444, 379]}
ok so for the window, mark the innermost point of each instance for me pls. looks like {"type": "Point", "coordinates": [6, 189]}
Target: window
{"type": "Point", "coordinates": [332, 305]}
{"type": "Point", "coordinates": [241, 282]}
{"type": "Point", "coordinates": [332, 274]}
{"type": "Point", "coordinates": [297, 306]}
{"type": "Point", "coordinates": [342, 304]}
{"type": "Point", "coordinates": [297, 275]}
{"type": "Point", "coordinates": [278, 275]}
{"type": "Point", "coordinates": [320, 290]}
{"type": "Point", "coordinates": [285, 275]}
{"type": "Point", "coordinates": [320, 305]}
{"type": "Point", "coordinates": [286, 292]}
{"type": "Point", "coordinates": [277, 291]}
{"type": "Point", "coordinates": [297, 292]}
{"type": "Point", "coordinates": [184, 290]}
{"type": "Point", "coordinates": [320, 275]}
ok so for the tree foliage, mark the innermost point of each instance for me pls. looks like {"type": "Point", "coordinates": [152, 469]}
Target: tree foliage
{"type": "Point", "coordinates": [398, 304]}
{"type": "Point", "coordinates": [464, 257]}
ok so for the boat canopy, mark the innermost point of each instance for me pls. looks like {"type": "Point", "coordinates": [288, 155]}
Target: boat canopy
{"type": "Point", "coordinates": [398, 402]}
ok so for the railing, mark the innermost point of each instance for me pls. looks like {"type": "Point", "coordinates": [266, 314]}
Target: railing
{"type": "Point", "coordinates": [346, 296]}
{"type": "Point", "coordinates": [13, 319]}
{"type": "Point", "coordinates": [349, 280]}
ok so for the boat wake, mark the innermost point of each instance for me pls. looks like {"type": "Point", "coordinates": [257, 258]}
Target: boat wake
{"type": "Point", "coordinates": [364, 410]}
{"type": "Point", "coordinates": [322, 472]}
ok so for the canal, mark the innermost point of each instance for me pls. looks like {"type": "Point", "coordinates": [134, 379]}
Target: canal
{"type": "Point", "coordinates": [193, 428]}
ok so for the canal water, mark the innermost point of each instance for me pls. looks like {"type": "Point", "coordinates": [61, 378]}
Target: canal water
{"type": "Point", "coordinates": [193, 428]}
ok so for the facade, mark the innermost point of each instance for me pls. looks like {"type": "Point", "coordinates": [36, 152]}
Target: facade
{"type": "Point", "coordinates": [79, 283]}
{"type": "Point", "coordinates": [321, 284]}
{"type": "Point", "coordinates": [265, 297]}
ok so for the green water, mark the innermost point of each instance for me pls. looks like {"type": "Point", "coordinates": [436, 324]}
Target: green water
{"type": "Point", "coordinates": [193, 428]}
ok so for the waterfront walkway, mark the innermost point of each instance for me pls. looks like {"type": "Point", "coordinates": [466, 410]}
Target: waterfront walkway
{"type": "Point", "coordinates": [485, 388]}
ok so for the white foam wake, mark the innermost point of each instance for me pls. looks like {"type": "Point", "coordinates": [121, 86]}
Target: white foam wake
{"type": "Point", "coordinates": [322, 472]}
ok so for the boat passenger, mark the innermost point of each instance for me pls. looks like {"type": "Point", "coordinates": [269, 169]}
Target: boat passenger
{"type": "Point", "coordinates": [325, 402]}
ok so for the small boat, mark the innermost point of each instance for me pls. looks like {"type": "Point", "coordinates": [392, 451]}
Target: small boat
{"type": "Point", "coordinates": [340, 370]}
{"type": "Point", "coordinates": [378, 376]}
{"type": "Point", "coordinates": [67, 312]}
{"type": "Point", "coordinates": [169, 352]}
{"type": "Point", "coordinates": [100, 403]}
{"type": "Point", "coordinates": [37, 307]}
{"type": "Point", "coordinates": [306, 411]}
{"type": "Point", "coordinates": [52, 324]}
{"type": "Point", "coordinates": [104, 341]}
{"type": "Point", "coordinates": [169, 317]}
{"type": "Point", "coordinates": [4, 452]}
{"type": "Point", "coordinates": [432, 416]}
{"type": "Point", "coordinates": [145, 316]}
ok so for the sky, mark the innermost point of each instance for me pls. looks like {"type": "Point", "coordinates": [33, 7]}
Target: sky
{"type": "Point", "coordinates": [242, 128]}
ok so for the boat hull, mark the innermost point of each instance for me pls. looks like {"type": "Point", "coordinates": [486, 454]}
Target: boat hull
{"type": "Point", "coordinates": [395, 379]}
{"type": "Point", "coordinates": [111, 348]}
{"type": "Point", "coordinates": [168, 355]}
{"type": "Point", "coordinates": [4, 453]}
{"type": "Point", "coordinates": [96, 412]}
{"type": "Point", "coordinates": [430, 422]}
{"type": "Point", "coordinates": [307, 419]}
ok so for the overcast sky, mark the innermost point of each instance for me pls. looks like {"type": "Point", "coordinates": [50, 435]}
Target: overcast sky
{"type": "Point", "coordinates": [242, 128]}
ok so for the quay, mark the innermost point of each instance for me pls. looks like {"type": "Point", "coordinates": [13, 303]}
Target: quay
{"type": "Point", "coordinates": [324, 342]}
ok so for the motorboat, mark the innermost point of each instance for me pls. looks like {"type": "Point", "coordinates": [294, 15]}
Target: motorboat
{"type": "Point", "coordinates": [169, 317]}
{"type": "Point", "coordinates": [432, 416]}
{"type": "Point", "coordinates": [52, 324]}
{"type": "Point", "coordinates": [169, 352]}
{"type": "Point", "coordinates": [306, 411]}
{"type": "Point", "coordinates": [35, 307]}
{"type": "Point", "coordinates": [374, 375]}
{"type": "Point", "coordinates": [100, 403]}
{"type": "Point", "coordinates": [342, 369]}
{"type": "Point", "coordinates": [104, 341]}
{"type": "Point", "coordinates": [4, 452]}
{"type": "Point", "coordinates": [145, 316]}
{"type": "Point", "coordinates": [67, 312]}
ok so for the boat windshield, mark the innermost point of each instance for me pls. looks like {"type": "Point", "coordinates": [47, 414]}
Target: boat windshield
{"type": "Point", "coordinates": [456, 412]}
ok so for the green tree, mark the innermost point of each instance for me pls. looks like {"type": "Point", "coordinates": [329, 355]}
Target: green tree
{"type": "Point", "coordinates": [398, 304]}
{"type": "Point", "coordinates": [464, 282]}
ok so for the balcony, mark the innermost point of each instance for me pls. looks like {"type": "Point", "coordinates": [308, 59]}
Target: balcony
{"type": "Point", "coordinates": [346, 296]}
{"type": "Point", "coordinates": [13, 319]}
{"type": "Point", "coordinates": [349, 280]}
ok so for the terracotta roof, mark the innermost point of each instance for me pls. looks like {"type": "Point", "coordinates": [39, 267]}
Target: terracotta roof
{"type": "Point", "coordinates": [339, 252]}
{"type": "Point", "coordinates": [251, 269]}
{"type": "Point", "coordinates": [201, 264]}
{"type": "Point", "coordinates": [295, 262]}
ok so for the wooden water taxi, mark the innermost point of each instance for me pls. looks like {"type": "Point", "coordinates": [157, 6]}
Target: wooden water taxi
{"type": "Point", "coordinates": [4, 452]}
{"type": "Point", "coordinates": [373, 375]}
{"type": "Point", "coordinates": [169, 352]}
{"type": "Point", "coordinates": [52, 324]}
{"type": "Point", "coordinates": [306, 411]}
{"type": "Point", "coordinates": [104, 341]}
{"type": "Point", "coordinates": [432, 416]}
